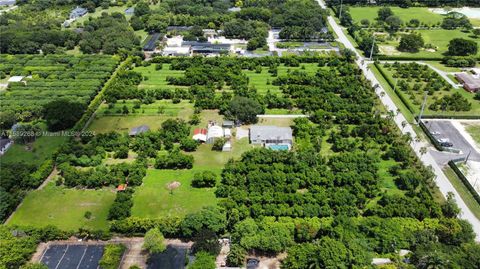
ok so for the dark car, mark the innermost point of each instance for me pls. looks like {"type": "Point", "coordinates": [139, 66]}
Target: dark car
{"type": "Point", "coordinates": [252, 263]}
{"type": "Point", "coordinates": [446, 144]}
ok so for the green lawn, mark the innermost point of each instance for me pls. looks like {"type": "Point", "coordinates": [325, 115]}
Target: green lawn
{"type": "Point", "coordinates": [147, 114]}
{"type": "Point", "coordinates": [439, 38]}
{"type": "Point", "coordinates": [406, 14]}
{"type": "Point", "coordinates": [40, 150]}
{"type": "Point", "coordinates": [158, 78]}
{"type": "Point", "coordinates": [463, 191]}
{"type": "Point", "coordinates": [153, 199]}
{"type": "Point", "coordinates": [65, 208]}
{"type": "Point", "coordinates": [475, 110]}
{"type": "Point", "coordinates": [99, 11]}
{"type": "Point", "coordinates": [474, 131]}
{"type": "Point", "coordinates": [261, 81]}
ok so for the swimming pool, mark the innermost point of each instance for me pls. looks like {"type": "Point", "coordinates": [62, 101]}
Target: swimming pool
{"type": "Point", "coordinates": [278, 147]}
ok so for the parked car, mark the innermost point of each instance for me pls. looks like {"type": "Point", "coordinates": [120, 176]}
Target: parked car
{"type": "Point", "coordinates": [252, 263]}
{"type": "Point", "coordinates": [446, 144]}
{"type": "Point", "coordinates": [443, 140]}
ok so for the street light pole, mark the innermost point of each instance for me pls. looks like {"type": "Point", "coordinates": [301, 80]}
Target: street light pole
{"type": "Point", "coordinates": [423, 107]}
{"type": "Point", "coordinates": [373, 45]}
{"type": "Point", "coordinates": [341, 8]}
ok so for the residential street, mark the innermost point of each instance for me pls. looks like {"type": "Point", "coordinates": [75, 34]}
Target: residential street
{"type": "Point", "coordinates": [442, 181]}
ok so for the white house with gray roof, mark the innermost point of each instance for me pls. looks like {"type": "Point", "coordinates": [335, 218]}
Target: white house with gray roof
{"type": "Point", "coordinates": [273, 137]}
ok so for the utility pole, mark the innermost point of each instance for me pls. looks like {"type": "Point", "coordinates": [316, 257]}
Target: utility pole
{"type": "Point", "coordinates": [468, 156]}
{"type": "Point", "coordinates": [341, 8]}
{"type": "Point", "coordinates": [423, 107]}
{"type": "Point", "coordinates": [373, 46]}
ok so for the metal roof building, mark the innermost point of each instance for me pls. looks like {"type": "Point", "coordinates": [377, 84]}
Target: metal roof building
{"type": "Point", "coordinates": [138, 130]}
{"type": "Point", "coordinates": [470, 82]}
{"type": "Point", "coordinates": [78, 12]}
{"type": "Point", "coordinates": [151, 43]}
{"type": "Point", "coordinates": [271, 135]}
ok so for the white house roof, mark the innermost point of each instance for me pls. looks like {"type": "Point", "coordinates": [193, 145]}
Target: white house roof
{"type": "Point", "coordinates": [15, 79]}
{"type": "Point", "coordinates": [258, 132]}
{"type": "Point", "coordinates": [227, 132]}
{"type": "Point", "coordinates": [175, 41]}
{"type": "Point", "coordinates": [215, 131]}
{"type": "Point", "coordinates": [176, 50]}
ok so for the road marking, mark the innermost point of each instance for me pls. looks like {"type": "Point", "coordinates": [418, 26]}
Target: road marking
{"type": "Point", "coordinates": [56, 267]}
{"type": "Point", "coordinates": [81, 259]}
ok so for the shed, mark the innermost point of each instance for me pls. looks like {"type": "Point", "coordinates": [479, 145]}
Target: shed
{"type": "Point", "coordinates": [78, 12]}
{"type": "Point", "coordinates": [130, 11]}
{"type": "Point", "coordinates": [227, 133]}
{"type": "Point", "coordinates": [227, 146]}
{"type": "Point", "coordinates": [122, 187]}
{"type": "Point", "coordinates": [15, 79]}
{"type": "Point", "coordinates": [138, 130]}
{"type": "Point", "coordinates": [200, 134]}
{"type": "Point", "coordinates": [228, 124]}
{"type": "Point", "coordinates": [213, 133]}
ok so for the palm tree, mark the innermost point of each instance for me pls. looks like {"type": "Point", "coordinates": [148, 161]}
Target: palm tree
{"type": "Point", "coordinates": [423, 150]}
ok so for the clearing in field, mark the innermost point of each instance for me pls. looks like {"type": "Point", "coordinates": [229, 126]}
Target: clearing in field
{"type": "Point", "coordinates": [155, 198]}
{"type": "Point", "coordinates": [65, 208]}
{"type": "Point", "coordinates": [34, 153]}
{"type": "Point", "coordinates": [406, 14]}
{"type": "Point", "coordinates": [112, 119]}
{"type": "Point", "coordinates": [439, 38]}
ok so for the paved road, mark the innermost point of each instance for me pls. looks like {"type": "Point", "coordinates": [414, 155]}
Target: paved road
{"type": "Point", "coordinates": [442, 181]}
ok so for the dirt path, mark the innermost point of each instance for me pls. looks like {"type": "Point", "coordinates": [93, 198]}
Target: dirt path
{"type": "Point", "coordinates": [49, 178]}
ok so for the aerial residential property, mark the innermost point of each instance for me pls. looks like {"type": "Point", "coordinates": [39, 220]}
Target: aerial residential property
{"type": "Point", "coordinates": [287, 134]}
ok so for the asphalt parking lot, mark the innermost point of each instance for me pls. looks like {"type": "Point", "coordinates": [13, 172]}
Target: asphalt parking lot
{"type": "Point", "coordinates": [446, 130]}
{"type": "Point", "coordinates": [72, 256]}
{"type": "Point", "coordinates": [172, 258]}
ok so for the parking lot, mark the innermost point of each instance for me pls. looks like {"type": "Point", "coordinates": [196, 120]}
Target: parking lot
{"type": "Point", "coordinates": [72, 256]}
{"type": "Point", "coordinates": [446, 130]}
{"type": "Point", "coordinates": [173, 257]}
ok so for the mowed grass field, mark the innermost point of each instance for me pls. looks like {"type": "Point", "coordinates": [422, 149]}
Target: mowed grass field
{"type": "Point", "coordinates": [152, 115]}
{"type": "Point", "coordinates": [439, 38]}
{"type": "Point", "coordinates": [65, 208]}
{"type": "Point", "coordinates": [38, 152]}
{"type": "Point", "coordinates": [261, 81]}
{"type": "Point", "coordinates": [154, 199]}
{"type": "Point", "coordinates": [406, 14]}
{"type": "Point", "coordinates": [158, 78]}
